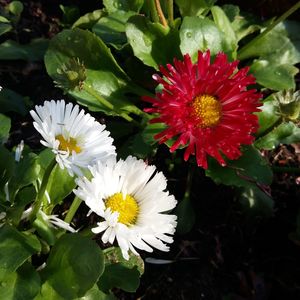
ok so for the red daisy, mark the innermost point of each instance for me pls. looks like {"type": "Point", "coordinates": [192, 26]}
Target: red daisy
{"type": "Point", "coordinates": [206, 106]}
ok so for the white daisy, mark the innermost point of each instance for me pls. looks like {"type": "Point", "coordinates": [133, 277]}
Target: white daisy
{"type": "Point", "coordinates": [74, 136]}
{"type": "Point", "coordinates": [132, 201]}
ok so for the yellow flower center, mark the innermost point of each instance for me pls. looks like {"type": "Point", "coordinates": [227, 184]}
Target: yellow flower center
{"type": "Point", "coordinates": [208, 109]}
{"type": "Point", "coordinates": [68, 145]}
{"type": "Point", "coordinates": [127, 208]}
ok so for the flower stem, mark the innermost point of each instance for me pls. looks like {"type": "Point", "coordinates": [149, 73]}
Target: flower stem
{"type": "Point", "coordinates": [160, 14]}
{"type": "Point", "coordinates": [153, 11]}
{"type": "Point", "coordinates": [42, 189]}
{"type": "Point", "coordinates": [269, 129]}
{"type": "Point", "coordinates": [72, 210]}
{"type": "Point", "coordinates": [170, 8]}
{"type": "Point", "coordinates": [107, 104]}
{"type": "Point", "coordinates": [241, 53]}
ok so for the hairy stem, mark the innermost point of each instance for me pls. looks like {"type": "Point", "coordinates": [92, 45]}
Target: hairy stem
{"type": "Point", "coordinates": [42, 189]}
{"type": "Point", "coordinates": [161, 15]}
{"type": "Point", "coordinates": [72, 210]}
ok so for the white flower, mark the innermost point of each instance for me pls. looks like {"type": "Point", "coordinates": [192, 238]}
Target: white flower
{"type": "Point", "coordinates": [75, 137]}
{"type": "Point", "coordinates": [132, 201]}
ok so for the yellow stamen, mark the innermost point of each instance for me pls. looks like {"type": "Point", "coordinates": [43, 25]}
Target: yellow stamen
{"type": "Point", "coordinates": [127, 208]}
{"type": "Point", "coordinates": [68, 145]}
{"type": "Point", "coordinates": [208, 109]}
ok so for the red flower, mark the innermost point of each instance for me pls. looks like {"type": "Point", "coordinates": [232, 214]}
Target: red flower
{"type": "Point", "coordinates": [207, 107]}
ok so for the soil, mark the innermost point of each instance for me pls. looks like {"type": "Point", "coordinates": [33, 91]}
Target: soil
{"type": "Point", "coordinates": [229, 254]}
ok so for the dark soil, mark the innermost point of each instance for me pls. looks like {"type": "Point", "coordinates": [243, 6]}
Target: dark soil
{"type": "Point", "coordinates": [229, 254]}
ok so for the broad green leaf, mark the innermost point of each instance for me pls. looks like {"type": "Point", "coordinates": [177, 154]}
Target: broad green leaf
{"type": "Point", "coordinates": [35, 50]}
{"type": "Point", "coordinates": [250, 169]}
{"type": "Point", "coordinates": [16, 7]}
{"type": "Point", "coordinates": [5, 27]}
{"type": "Point", "coordinates": [24, 197]}
{"type": "Point", "coordinates": [123, 5]}
{"type": "Point", "coordinates": [7, 164]}
{"type": "Point", "coordinates": [225, 26]}
{"type": "Point", "coordinates": [186, 216]}
{"type": "Point", "coordinates": [114, 255]}
{"type": "Point", "coordinates": [74, 265]}
{"type": "Point", "coordinates": [95, 294]}
{"type": "Point", "coordinates": [44, 230]}
{"type": "Point", "coordinates": [15, 248]}
{"type": "Point", "coordinates": [117, 275]}
{"type": "Point", "coordinates": [201, 34]}
{"type": "Point", "coordinates": [151, 42]}
{"type": "Point", "coordinates": [267, 117]}
{"type": "Point", "coordinates": [25, 172]}
{"type": "Point", "coordinates": [60, 185]}
{"type": "Point", "coordinates": [103, 75]}
{"type": "Point", "coordinates": [11, 101]}
{"type": "Point", "coordinates": [194, 7]}
{"type": "Point", "coordinates": [286, 133]}
{"type": "Point", "coordinates": [273, 75]}
{"type": "Point", "coordinates": [20, 285]}
{"type": "Point", "coordinates": [256, 201]}
{"type": "Point", "coordinates": [5, 124]}
{"type": "Point", "coordinates": [88, 20]}
{"type": "Point", "coordinates": [277, 45]}
{"type": "Point", "coordinates": [111, 29]}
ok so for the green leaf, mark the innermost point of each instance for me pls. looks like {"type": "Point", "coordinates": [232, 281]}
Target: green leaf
{"type": "Point", "coordinates": [201, 34]}
{"type": "Point", "coordinates": [5, 124]}
{"type": "Point", "coordinates": [7, 164]}
{"type": "Point", "coordinates": [35, 50]}
{"type": "Point", "coordinates": [256, 201]}
{"type": "Point", "coordinates": [151, 42]}
{"type": "Point", "coordinates": [15, 249]}
{"type": "Point", "coordinates": [250, 169]}
{"type": "Point", "coordinates": [44, 230]}
{"type": "Point", "coordinates": [286, 133]}
{"type": "Point", "coordinates": [117, 275]}
{"type": "Point", "coordinates": [267, 117]}
{"type": "Point", "coordinates": [225, 26]}
{"type": "Point", "coordinates": [15, 7]}
{"type": "Point", "coordinates": [186, 216]}
{"type": "Point", "coordinates": [123, 5]}
{"type": "Point", "coordinates": [70, 13]}
{"type": "Point", "coordinates": [114, 255]}
{"type": "Point", "coordinates": [194, 7]}
{"type": "Point", "coordinates": [274, 76]}
{"type": "Point", "coordinates": [25, 172]}
{"type": "Point", "coordinates": [20, 285]}
{"type": "Point", "coordinates": [74, 265]}
{"type": "Point", "coordinates": [276, 45]}
{"type": "Point", "coordinates": [103, 75]}
{"type": "Point", "coordinates": [11, 101]}
{"type": "Point", "coordinates": [95, 294]}
{"type": "Point", "coordinates": [5, 27]}
{"type": "Point", "coordinates": [88, 20]}
{"type": "Point", "coordinates": [60, 185]}
{"type": "Point", "coordinates": [111, 29]}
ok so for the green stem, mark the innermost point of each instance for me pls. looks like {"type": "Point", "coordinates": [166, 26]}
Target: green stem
{"type": "Point", "coordinates": [278, 169]}
{"type": "Point", "coordinates": [42, 189]}
{"type": "Point", "coordinates": [93, 93]}
{"type": "Point", "coordinates": [107, 104]}
{"type": "Point", "coordinates": [160, 13]}
{"type": "Point", "coordinates": [269, 129]}
{"type": "Point", "coordinates": [189, 181]}
{"type": "Point", "coordinates": [153, 12]}
{"type": "Point", "coordinates": [72, 210]}
{"type": "Point", "coordinates": [170, 9]}
{"type": "Point", "coordinates": [268, 29]}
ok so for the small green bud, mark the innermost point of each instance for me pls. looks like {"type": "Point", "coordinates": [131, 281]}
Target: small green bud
{"type": "Point", "coordinates": [288, 104]}
{"type": "Point", "coordinates": [71, 75]}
